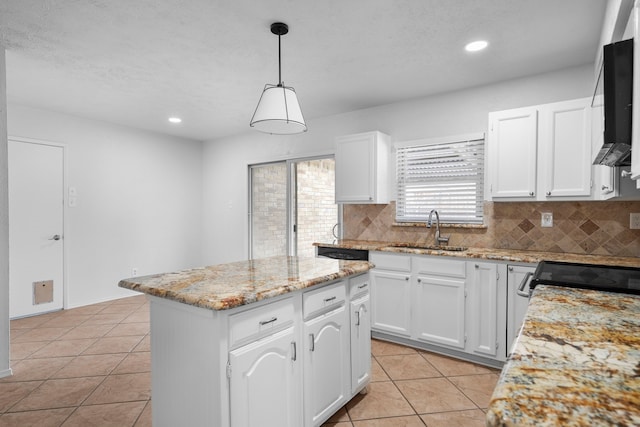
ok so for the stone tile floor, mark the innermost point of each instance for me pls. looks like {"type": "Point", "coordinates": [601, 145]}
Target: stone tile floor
{"type": "Point", "coordinates": [90, 366]}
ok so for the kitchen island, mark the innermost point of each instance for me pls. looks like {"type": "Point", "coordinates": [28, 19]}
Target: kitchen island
{"type": "Point", "coordinates": [575, 363]}
{"type": "Point", "coordinates": [250, 343]}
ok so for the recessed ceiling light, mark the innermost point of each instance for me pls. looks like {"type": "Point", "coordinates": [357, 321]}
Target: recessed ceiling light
{"type": "Point", "coordinates": [476, 46]}
{"type": "Point", "coordinates": [175, 120]}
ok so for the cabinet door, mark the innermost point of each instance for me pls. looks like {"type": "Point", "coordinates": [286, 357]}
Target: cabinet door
{"type": "Point", "coordinates": [565, 138]}
{"type": "Point", "coordinates": [512, 153]}
{"type": "Point", "coordinates": [327, 376]}
{"type": "Point", "coordinates": [256, 370]}
{"type": "Point", "coordinates": [361, 168]}
{"type": "Point", "coordinates": [391, 302]}
{"type": "Point", "coordinates": [516, 305]}
{"type": "Point", "coordinates": [360, 343]}
{"type": "Point", "coordinates": [439, 310]}
{"type": "Point", "coordinates": [483, 314]}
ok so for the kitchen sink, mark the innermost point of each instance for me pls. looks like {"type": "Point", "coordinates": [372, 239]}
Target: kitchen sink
{"type": "Point", "coordinates": [428, 247]}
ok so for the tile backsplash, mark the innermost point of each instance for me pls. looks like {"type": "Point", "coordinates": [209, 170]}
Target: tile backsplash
{"type": "Point", "coordinates": [598, 228]}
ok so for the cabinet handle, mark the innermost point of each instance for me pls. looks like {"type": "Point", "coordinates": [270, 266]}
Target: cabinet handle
{"type": "Point", "coordinates": [313, 343]}
{"type": "Point", "coordinates": [520, 291]}
{"type": "Point", "coordinates": [605, 187]}
{"type": "Point", "coordinates": [329, 299]}
{"type": "Point", "coordinates": [406, 278]}
{"type": "Point", "coordinates": [266, 322]}
{"type": "Point", "coordinates": [510, 268]}
{"type": "Point", "coordinates": [477, 266]}
{"type": "Point", "coordinates": [294, 353]}
{"type": "Point", "coordinates": [358, 318]}
{"type": "Point", "coordinates": [548, 193]}
{"type": "Point", "coordinates": [364, 285]}
{"type": "Point", "coordinates": [419, 280]}
{"type": "Point", "coordinates": [531, 193]}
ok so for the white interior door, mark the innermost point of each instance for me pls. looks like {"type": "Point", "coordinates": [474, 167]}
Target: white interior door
{"type": "Point", "coordinates": [36, 203]}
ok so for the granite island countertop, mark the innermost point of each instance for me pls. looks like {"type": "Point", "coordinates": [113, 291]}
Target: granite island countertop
{"type": "Point", "coordinates": [225, 286]}
{"type": "Point", "coordinates": [509, 255]}
{"type": "Point", "coordinates": [575, 363]}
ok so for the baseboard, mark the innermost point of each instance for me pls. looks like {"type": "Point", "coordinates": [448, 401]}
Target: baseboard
{"type": "Point", "coordinates": [6, 373]}
{"type": "Point", "coordinates": [440, 350]}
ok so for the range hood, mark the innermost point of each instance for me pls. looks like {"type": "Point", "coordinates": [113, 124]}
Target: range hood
{"type": "Point", "coordinates": [614, 90]}
{"type": "Point", "coordinates": [614, 154]}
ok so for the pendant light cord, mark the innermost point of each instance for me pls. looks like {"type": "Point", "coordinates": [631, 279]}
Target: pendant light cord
{"type": "Point", "coordinates": [279, 63]}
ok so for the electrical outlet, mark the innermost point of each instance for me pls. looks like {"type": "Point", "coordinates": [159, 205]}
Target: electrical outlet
{"type": "Point", "coordinates": [546, 219]}
{"type": "Point", "coordinates": [634, 221]}
{"type": "Point", "coordinates": [134, 272]}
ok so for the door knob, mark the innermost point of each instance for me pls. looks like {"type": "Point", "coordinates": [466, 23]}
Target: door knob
{"type": "Point", "coordinates": [55, 237]}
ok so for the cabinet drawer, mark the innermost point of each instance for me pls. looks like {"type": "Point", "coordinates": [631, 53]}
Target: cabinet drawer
{"type": "Point", "coordinates": [389, 261]}
{"type": "Point", "coordinates": [359, 285]}
{"type": "Point", "coordinates": [323, 299]}
{"type": "Point", "coordinates": [440, 267]}
{"type": "Point", "coordinates": [262, 321]}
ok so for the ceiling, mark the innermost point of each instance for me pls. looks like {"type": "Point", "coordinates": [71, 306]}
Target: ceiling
{"type": "Point", "coordinates": [138, 62]}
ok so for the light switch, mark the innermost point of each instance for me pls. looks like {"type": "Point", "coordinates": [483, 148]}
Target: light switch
{"type": "Point", "coordinates": [547, 219]}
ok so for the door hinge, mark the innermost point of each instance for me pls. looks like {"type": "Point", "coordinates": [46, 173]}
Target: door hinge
{"type": "Point", "coordinates": [497, 345]}
{"type": "Point", "coordinates": [229, 370]}
{"type": "Point", "coordinates": [465, 293]}
{"type": "Point", "coordinates": [295, 228]}
{"type": "Point", "coordinates": [498, 275]}
{"type": "Point", "coordinates": [465, 337]}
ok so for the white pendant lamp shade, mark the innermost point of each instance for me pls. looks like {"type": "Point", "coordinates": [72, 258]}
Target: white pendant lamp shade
{"type": "Point", "coordinates": [278, 112]}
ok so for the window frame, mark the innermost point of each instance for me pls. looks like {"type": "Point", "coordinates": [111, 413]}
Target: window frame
{"type": "Point", "coordinates": [472, 213]}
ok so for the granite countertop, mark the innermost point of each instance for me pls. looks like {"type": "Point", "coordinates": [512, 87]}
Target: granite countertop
{"type": "Point", "coordinates": [575, 363]}
{"type": "Point", "coordinates": [509, 255]}
{"type": "Point", "coordinates": [225, 286]}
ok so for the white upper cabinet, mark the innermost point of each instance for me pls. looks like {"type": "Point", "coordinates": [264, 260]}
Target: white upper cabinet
{"type": "Point", "coordinates": [362, 168]}
{"type": "Point", "coordinates": [541, 152]}
{"type": "Point", "coordinates": [513, 138]}
{"type": "Point", "coordinates": [565, 143]}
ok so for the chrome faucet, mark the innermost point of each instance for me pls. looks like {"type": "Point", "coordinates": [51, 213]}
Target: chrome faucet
{"type": "Point", "coordinates": [439, 239]}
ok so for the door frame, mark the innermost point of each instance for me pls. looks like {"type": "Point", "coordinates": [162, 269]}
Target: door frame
{"type": "Point", "coordinates": [65, 225]}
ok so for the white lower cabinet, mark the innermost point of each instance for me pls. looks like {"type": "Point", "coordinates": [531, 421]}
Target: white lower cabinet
{"type": "Point", "coordinates": [517, 304]}
{"type": "Point", "coordinates": [391, 294]}
{"type": "Point", "coordinates": [439, 317]}
{"type": "Point", "coordinates": [327, 359]}
{"type": "Point", "coordinates": [360, 299]}
{"type": "Point", "coordinates": [259, 369]}
{"type": "Point", "coordinates": [291, 361]}
{"type": "Point", "coordinates": [487, 310]}
{"type": "Point", "coordinates": [453, 305]}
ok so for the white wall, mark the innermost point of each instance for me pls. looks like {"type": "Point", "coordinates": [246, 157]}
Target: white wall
{"type": "Point", "coordinates": [138, 204]}
{"type": "Point", "coordinates": [225, 160]}
{"type": "Point", "coordinates": [4, 225]}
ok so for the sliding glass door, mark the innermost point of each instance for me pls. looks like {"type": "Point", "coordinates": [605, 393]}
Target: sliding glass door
{"type": "Point", "coordinates": [292, 206]}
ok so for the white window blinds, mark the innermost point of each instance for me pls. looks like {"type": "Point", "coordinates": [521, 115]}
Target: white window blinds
{"type": "Point", "coordinates": [446, 176]}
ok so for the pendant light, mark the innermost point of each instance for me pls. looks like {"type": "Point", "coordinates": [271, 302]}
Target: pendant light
{"type": "Point", "coordinates": [278, 111]}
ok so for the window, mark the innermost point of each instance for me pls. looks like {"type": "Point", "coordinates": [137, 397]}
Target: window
{"type": "Point", "coordinates": [292, 205]}
{"type": "Point", "coordinates": [446, 175]}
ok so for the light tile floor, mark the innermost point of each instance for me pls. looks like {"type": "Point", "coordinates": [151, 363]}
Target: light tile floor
{"type": "Point", "coordinates": [90, 366]}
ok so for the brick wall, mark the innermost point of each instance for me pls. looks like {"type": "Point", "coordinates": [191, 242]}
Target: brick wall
{"type": "Point", "coordinates": [317, 211]}
{"type": "Point", "coordinates": [269, 221]}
